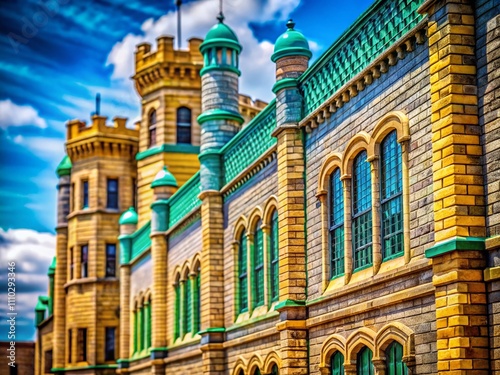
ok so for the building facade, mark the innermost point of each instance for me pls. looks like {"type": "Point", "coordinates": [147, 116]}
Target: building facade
{"type": "Point", "coordinates": [350, 226]}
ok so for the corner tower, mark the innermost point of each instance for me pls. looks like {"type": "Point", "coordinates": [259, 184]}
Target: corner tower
{"type": "Point", "coordinates": [169, 84]}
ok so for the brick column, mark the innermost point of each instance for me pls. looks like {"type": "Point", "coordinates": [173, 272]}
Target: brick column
{"type": "Point", "coordinates": [59, 335]}
{"type": "Point", "coordinates": [125, 312]}
{"type": "Point", "coordinates": [159, 295]}
{"type": "Point", "coordinates": [457, 257]}
{"type": "Point", "coordinates": [212, 283]}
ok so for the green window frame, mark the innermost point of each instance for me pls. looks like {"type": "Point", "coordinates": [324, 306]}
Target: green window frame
{"type": "Point", "coordinates": [177, 311]}
{"type": "Point", "coordinates": [143, 328]}
{"type": "Point", "coordinates": [274, 257]}
{"type": "Point", "coordinates": [391, 197]}
{"type": "Point", "coordinates": [337, 364]}
{"type": "Point", "coordinates": [188, 307]}
{"type": "Point", "coordinates": [336, 225]}
{"type": "Point", "coordinates": [243, 273]}
{"type": "Point", "coordinates": [364, 365]}
{"type": "Point", "coordinates": [149, 324]}
{"type": "Point", "coordinates": [136, 330]}
{"type": "Point", "coordinates": [258, 266]}
{"type": "Point", "coordinates": [394, 360]}
{"type": "Point", "coordinates": [197, 302]}
{"type": "Point", "coordinates": [361, 213]}
{"type": "Point", "coordinates": [274, 370]}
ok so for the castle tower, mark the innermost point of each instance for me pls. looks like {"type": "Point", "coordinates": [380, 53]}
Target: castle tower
{"type": "Point", "coordinates": [220, 121]}
{"type": "Point", "coordinates": [291, 55]}
{"type": "Point", "coordinates": [169, 84]}
{"type": "Point", "coordinates": [102, 179]}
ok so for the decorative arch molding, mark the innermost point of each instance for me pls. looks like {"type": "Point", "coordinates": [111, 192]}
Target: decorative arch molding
{"type": "Point", "coordinates": [334, 343]}
{"type": "Point", "coordinates": [358, 143]}
{"type": "Point", "coordinates": [253, 218]}
{"type": "Point", "coordinates": [186, 267]}
{"type": "Point", "coordinates": [148, 295]}
{"type": "Point", "coordinates": [269, 207]}
{"type": "Point", "coordinates": [240, 225]}
{"type": "Point", "coordinates": [362, 337]}
{"type": "Point", "coordinates": [272, 359]}
{"type": "Point", "coordinates": [240, 365]}
{"type": "Point", "coordinates": [397, 121]}
{"type": "Point", "coordinates": [196, 262]}
{"type": "Point", "coordinates": [176, 274]}
{"type": "Point", "coordinates": [395, 332]}
{"type": "Point", "coordinates": [332, 161]}
{"type": "Point", "coordinates": [255, 362]}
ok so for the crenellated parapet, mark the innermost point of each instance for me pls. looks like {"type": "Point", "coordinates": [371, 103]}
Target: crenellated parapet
{"type": "Point", "coordinates": [167, 67]}
{"type": "Point", "coordinates": [101, 139]}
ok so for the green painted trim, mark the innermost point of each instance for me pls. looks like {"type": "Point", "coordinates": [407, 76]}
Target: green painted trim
{"type": "Point", "coordinates": [227, 68]}
{"type": "Point", "coordinates": [219, 43]}
{"type": "Point", "coordinates": [363, 267]}
{"type": "Point", "coordinates": [64, 167]}
{"type": "Point", "coordinates": [269, 315]}
{"type": "Point", "coordinates": [291, 51]}
{"type": "Point", "coordinates": [219, 114]}
{"type": "Point", "coordinates": [160, 202]}
{"type": "Point", "coordinates": [213, 330]}
{"type": "Point", "coordinates": [394, 256]}
{"type": "Point", "coordinates": [168, 148]}
{"type": "Point", "coordinates": [161, 349]}
{"type": "Point", "coordinates": [289, 303]}
{"type": "Point", "coordinates": [93, 367]}
{"type": "Point", "coordinates": [456, 243]}
{"type": "Point", "coordinates": [285, 83]}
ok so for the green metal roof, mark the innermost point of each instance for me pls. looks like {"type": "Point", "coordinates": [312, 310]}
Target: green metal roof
{"type": "Point", "coordinates": [164, 178]}
{"type": "Point", "coordinates": [291, 43]}
{"type": "Point", "coordinates": [129, 217]}
{"type": "Point", "coordinates": [184, 200]}
{"type": "Point", "coordinates": [141, 240]}
{"type": "Point", "coordinates": [220, 35]}
{"type": "Point", "coordinates": [42, 304]}
{"type": "Point", "coordinates": [64, 167]}
{"type": "Point", "coordinates": [52, 268]}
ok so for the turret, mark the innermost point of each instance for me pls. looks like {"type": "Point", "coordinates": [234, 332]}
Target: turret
{"type": "Point", "coordinates": [63, 190]}
{"type": "Point", "coordinates": [220, 119]}
{"type": "Point", "coordinates": [164, 186]}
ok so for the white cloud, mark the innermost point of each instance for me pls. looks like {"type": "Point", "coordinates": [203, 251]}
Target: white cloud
{"type": "Point", "coordinates": [32, 253]}
{"type": "Point", "coordinates": [12, 114]}
{"type": "Point", "coordinates": [257, 69]}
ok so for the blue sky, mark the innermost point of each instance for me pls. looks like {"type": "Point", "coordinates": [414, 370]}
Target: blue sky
{"type": "Point", "coordinates": [57, 54]}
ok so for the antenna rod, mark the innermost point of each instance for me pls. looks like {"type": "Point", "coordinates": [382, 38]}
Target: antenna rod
{"type": "Point", "coordinates": [178, 3]}
{"type": "Point", "coordinates": [98, 104]}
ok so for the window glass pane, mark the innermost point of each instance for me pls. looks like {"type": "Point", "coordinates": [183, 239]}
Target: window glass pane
{"type": "Point", "coordinates": [391, 196]}
{"type": "Point", "coordinates": [258, 259]}
{"type": "Point", "coordinates": [110, 260]}
{"type": "Point", "coordinates": [70, 346]}
{"type": "Point", "coordinates": [274, 257]}
{"type": "Point", "coordinates": [152, 128]}
{"type": "Point", "coordinates": [84, 260]}
{"type": "Point", "coordinates": [184, 125]}
{"type": "Point", "coordinates": [177, 311]}
{"type": "Point", "coordinates": [109, 354]}
{"type": "Point", "coordinates": [197, 301]}
{"type": "Point", "coordinates": [112, 193]}
{"type": "Point", "coordinates": [364, 362]}
{"type": "Point", "coordinates": [362, 215]}
{"type": "Point", "coordinates": [85, 194]}
{"type": "Point", "coordinates": [274, 370]}
{"type": "Point", "coordinates": [394, 360]}
{"type": "Point", "coordinates": [336, 225]}
{"type": "Point", "coordinates": [242, 259]}
{"type": "Point", "coordinates": [188, 306]}
{"type": "Point", "coordinates": [337, 364]}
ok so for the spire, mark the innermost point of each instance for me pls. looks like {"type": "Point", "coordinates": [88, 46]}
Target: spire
{"type": "Point", "coordinates": [220, 16]}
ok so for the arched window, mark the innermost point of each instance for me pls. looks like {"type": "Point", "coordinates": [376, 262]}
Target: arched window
{"type": "Point", "coordinates": [184, 125]}
{"type": "Point", "coordinates": [256, 371]}
{"type": "Point", "coordinates": [274, 257]}
{"type": "Point", "coordinates": [364, 364]}
{"type": "Point", "coordinates": [188, 306]}
{"type": "Point", "coordinates": [391, 197]}
{"type": "Point", "coordinates": [394, 360]}
{"type": "Point", "coordinates": [177, 309]}
{"type": "Point", "coordinates": [136, 328]}
{"type": "Point", "coordinates": [258, 266]}
{"type": "Point", "coordinates": [362, 212]}
{"type": "Point", "coordinates": [152, 128]}
{"type": "Point", "coordinates": [197, 301]}
{"type": "Point", "coordinates": [337, 364]}
{"type": "Point", "coordinates": [336, 225]}
{"type": "Point", "coordinates": [243, 273]}
{"type": "Point", "coordinates": [274, 370]}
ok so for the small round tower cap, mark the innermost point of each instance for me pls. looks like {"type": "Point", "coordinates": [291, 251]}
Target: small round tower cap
{"type": "Point", "coordinates": [164, 178]}
{"type": "Point", "coordinates": [129, 217]}
{"type": "Point", "coordinates": [291, 43]}
{"type": "Point", "coordinates": [64, 167]}
{"type": "Point", "coordinates": [220, 35]}
{"type": "Point", "coordinates": [52, 268]}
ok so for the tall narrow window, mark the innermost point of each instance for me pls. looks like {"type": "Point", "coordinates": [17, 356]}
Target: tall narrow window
{"type": "Point", "coordinates": [188, 306]}
{"type": "Point", "coordinates": [84, 260]}
{"type": "Point", "coordinates": [394, 360]}
{"type": "Point", "coordinates": [336, 225]}
{"type": "Point", "coordinates": [70, 346]}
{"type": "Point", "coordinates": [149, 324]}
{"type": "Point", "coordinates": [48, 361]}
{"type": "Point", "coordinates": [337, 364]}
{"type": "Point", "coordinates": [152, 128]}
{"type": "Point", "coordinates": [243, 273]}
{"type": "Point", "coordinates": [364, 364]}
{"type": "Point", "coordinates": [109, 354]}
{"type": "Point", "coordinates": [258, 266]}
{"type": "Point", "coordinates": [112, 193]}
{"type": "Point", "coordinates": [197, 302]}
{"type": "Point", "coordinates": [361, 212]}
{"type": "Point", "coordinates": [85, 194]}
{"type": "Point", "coordinates": [82, 344]}
{"type": "Point", "coordinates": [72, 198]}
{"type": "Point", "coordinates": [274, 257]}
{"type": "Point", "coordinates": [110, 260]}
{"type": "Point", "coordinates": [142, 340]}
{"type": "Point", "coordinates": [177, 311]}
{"type": "Point", "coordinates": [274, 370]}
{"type": "Point", "coordinates": [136, 328]}
{"type": "Point", "coordinates": [391, 196]}
{"type": "Point", "coordinates": [184, 125]}
{"type": "Point", "coordinates": [134, 193]}
{"type": "Point", "coordinates": [71, 264]}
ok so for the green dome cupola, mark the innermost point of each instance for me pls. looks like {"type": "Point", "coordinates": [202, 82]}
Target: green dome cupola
{"type": "Point", "coordinates": [221, 48]}
{"type": "Point", "coordinates": [164, 178]}
{"type": "Point", "coordinates": [64, 167]}
{"type": "Point", "coordinates": [291, 43]}
{"type": "Point", "coordinates": [129, 217]}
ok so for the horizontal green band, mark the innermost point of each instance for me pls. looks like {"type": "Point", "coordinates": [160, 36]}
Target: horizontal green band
{"type": "Point", "coordinates": [457, 243]}
{"type": "Point", "coordinates": [284, 83]}
{"type": "Point", "coordinates": [179, 148]}
{"type": "Point", "coordinates": [289, 303]}
{"type": "Point", "coordinates": [219, 114]}
{"type": "Point", "coordinates": [226, 68]}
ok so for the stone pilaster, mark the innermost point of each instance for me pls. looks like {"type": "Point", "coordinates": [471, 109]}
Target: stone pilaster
{"type": "Point", "coordinates": [159, 299]}
{"type": "Point", "coordinates": [59, 310]}
{"type": "Point", "coordinates": [125, 326]}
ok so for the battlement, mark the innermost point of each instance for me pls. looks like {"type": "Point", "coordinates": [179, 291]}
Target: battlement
{"type": "Point", "coordinates": [167, 67]}
{"type": "Point", "coordinates": [249, 108]}
{"type": "Point", "coordinates": [78, 130]}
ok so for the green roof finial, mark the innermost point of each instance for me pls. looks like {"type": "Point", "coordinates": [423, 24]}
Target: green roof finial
{"type": "Point", "coordinates": [129, 217]}
{"type": "Point", "coordinates": [290, 24]}
{"type": "Point", "coordinates": [291, 43]}
{"type": "Point", "coordinates": [220, 17]}
{"type": "Point", "coordinates": [164, 178]}
{"type": "Point", "coordinates": [64, 167]}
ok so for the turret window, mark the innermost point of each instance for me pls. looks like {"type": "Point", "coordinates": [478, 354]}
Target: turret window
{"type": "Point", "coordinates": [110, 260]}
{"type": "Point", "coordinates": [109, 354]}
{"type": "Point", "coordinates": [152, 128]}
{"type": "Point", "coordinates": [184, 125]}
{"type": "Point", "coordinates": [82, 344]}
{"type": "Point", "coordinates": [112, 193]}
{"type": "Point", "coordinates": [85, 194]}
{"type": "Point", "coordinates": [84, 261]}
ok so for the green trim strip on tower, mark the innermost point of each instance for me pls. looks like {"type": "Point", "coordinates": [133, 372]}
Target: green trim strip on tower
{"type": "Point", "coordinates": [180, 148]}
{"type": "Point", "coordinates": [456, 243]}
{"type": "Point", "coordinates": [219, 114]}
{"type": "Point", "coordinates": [221, 68]}
{"type": "Point", "coordinates": [285, 83]}
{"type": "Point", "coordinates": [93, 367]}
{"type": "Point", "coordinates": [289, 303]}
